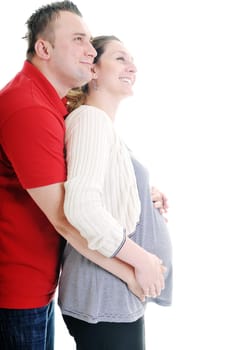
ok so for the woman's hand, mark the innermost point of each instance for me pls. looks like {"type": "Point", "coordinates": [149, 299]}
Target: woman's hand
{"type": "Point", "coordinates": [160, 200]}
{"type": "Point", "coordinates": [150, 275]}
{"type": "Point", "coordinates": [148, 268]}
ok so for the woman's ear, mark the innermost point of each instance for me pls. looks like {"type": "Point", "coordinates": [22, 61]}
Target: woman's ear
{"type": "Point", "coordinates": [94, 72]}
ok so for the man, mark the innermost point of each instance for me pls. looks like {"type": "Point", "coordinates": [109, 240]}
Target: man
{"type": "Point", "coordinates": [32, 175]}
{"type": "Point", "coordinates": [59, 57]}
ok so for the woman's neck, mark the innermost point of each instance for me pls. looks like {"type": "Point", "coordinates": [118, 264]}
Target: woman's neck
{"type": "Point", "coordinates": [108, 103]}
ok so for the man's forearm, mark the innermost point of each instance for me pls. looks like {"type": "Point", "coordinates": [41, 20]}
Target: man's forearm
{"type": "Point", "coordinates": [115, 266]}
{"type": "Point", "coordinates": [50, 200]}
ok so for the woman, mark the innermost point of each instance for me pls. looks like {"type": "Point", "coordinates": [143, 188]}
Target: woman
{"type": "Point", "coordinates": [107, 190]}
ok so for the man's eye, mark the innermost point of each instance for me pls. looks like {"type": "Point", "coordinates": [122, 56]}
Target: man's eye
{"type": "Point", "coordinates": [78, 38]}
{"type": "Point", "coordinates": [121, 58]}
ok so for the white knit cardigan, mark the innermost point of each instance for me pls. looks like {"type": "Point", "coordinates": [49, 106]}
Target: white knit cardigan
{"type": "Point", "coordinates": [101, 196]}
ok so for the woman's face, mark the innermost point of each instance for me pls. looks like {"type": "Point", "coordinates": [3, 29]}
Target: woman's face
{"type": "Point", "coordinates": [115, 70]}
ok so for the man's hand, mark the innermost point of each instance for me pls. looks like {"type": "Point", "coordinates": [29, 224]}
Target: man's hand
{"type": "Point", "coordinates": [135, 288]}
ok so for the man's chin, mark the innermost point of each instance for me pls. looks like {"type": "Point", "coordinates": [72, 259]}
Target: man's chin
{"type": "Point", "coordinates": [84, 79]}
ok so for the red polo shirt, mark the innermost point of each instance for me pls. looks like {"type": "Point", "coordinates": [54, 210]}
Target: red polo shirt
{"type": "Point", "coordinates": [31, 155]}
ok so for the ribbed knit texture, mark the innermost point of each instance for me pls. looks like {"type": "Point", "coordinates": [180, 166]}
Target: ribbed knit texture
{"type": "Point", "coordinates": [91, 294]}
{"type": "Point", "coordinates": [101, 196]}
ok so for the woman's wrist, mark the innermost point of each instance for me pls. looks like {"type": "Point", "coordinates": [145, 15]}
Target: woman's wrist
{"type": "Point", "coordinates": [132, 254]}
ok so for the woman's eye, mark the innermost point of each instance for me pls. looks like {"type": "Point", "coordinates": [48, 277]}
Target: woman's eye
{"type": "Point", "coordinates": [121, 58]}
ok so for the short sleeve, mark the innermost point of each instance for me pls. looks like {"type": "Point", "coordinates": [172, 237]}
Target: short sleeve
{"type": "Point", "coordinates": [33, 140]}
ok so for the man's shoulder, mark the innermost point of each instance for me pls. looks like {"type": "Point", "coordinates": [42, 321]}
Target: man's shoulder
{"type": "Point", "coordinates": [23, 94]}
{"type": "Point", "coordinates": [19, 91]}
{"type": "Point", "coordinates": [30, 93]}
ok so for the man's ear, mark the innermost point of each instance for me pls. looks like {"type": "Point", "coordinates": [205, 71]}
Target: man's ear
{"type": "Point", "coordinates": [42, 48]}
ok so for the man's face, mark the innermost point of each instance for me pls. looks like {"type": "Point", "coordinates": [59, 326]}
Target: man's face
{"type": "Point", "coordinates": [72, 54]}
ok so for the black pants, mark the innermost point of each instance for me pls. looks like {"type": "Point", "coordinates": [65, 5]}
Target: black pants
{"type": "Point", "coordinates": [106, 335]}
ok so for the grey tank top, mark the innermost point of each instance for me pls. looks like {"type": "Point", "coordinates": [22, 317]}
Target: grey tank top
{"type": "Point", "coordinates": [91, 294]}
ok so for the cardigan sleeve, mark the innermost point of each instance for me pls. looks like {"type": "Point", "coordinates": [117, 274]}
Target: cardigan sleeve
{"type": "Point", "coordinates": [89, 138]}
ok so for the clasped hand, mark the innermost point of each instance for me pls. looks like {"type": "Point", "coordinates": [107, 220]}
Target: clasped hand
{"type": "Point", "coordinates": [148, 278]}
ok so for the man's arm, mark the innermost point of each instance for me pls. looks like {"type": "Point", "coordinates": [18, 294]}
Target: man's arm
{"type": "Point", "coordinates": [49, 199]}
{"type": "Point", "coordinates": [147, 267]}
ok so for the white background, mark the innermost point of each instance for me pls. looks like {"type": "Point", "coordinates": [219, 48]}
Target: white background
{"type": "Point", "coordinates": [178, 125]}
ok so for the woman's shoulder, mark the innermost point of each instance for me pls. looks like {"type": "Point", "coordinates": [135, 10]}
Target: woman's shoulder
{"type": "Point", "coordinates": [91, 120]}
{"type": "Point", "coordinates": [88, 112]}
